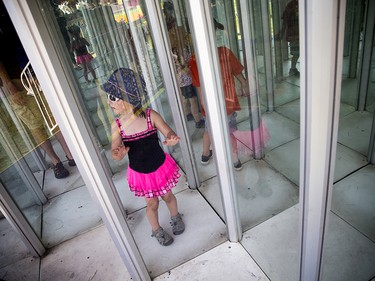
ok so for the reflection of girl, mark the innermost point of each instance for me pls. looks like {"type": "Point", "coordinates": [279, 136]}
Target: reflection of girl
{"type": "Point", "coordinates": [188, 92]}
{"type": "Point", "coordinates": [181, 52]}
{"type": "Point", "coordinates": [222, 39]}
{"type": "Point", "coordinates": [83, 57]}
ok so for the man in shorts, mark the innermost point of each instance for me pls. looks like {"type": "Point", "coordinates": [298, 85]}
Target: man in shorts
{"type": "Point", "coordinates": [27, 110]}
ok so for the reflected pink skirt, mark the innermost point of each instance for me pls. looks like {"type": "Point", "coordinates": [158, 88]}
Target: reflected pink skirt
{"type": "Point", "coordinates": [84, 59]}
{"type": "Point", "coordinates": [249, 142]}
{"type": "Point", "coordinates": [157, 183]}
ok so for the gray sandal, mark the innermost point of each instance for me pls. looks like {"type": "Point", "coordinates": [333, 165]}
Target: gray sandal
{"type": "Point", "coordinates": [178, 225]}
{"type": "Point", "coordinates": [163, 237]}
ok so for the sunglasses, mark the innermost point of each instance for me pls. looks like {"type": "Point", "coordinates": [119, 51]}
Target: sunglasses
{"type": "Point", "coordinates": [112, 97]}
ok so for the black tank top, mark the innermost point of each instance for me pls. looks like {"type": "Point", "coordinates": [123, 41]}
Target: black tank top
{"type": "Point", "coordinates": [145, 153]}
{"type": "Point", "coordinates": [80, 47]}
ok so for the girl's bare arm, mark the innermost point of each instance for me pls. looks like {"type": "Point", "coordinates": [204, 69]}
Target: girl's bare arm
{"type": "Point", "coordinates": [118, 149]}
{"type": "Point", "coordinates": [171, 137]}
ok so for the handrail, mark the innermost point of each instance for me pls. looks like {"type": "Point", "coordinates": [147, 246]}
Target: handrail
{"type": "Point", "coordinates": [33, 88]}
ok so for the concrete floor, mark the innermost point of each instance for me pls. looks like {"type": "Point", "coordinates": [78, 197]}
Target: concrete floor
{"type": "Point", "coordinates": [267, 190]}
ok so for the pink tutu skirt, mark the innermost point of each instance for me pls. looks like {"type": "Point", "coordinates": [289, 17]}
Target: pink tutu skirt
{"type": "Point", "coordinates": [84, 59]}
{"type": "Point", "coordinates": [157, 183]}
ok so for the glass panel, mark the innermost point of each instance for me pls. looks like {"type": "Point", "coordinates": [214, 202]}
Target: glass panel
{"type": "Point", "coordinates": [13, 250]}
{"type": "Point", "coordinates": [264, 125]}
{"type": "Point", "coordinates": [370, 99]}
{"type": "Point", "coordinates": [349, 239]}
{"type": "Point", "coordinates": [352, 51]}
{"type": "Point", "coordinates": [118, 44]}
{"type": "Point", "coordinates": [24, 195]}
{"type": "Point", "coordinates": [182, 51]}
{"type": "Point", "coordinates": [117, 36]}
{"type": "Point", "coordinates": [36, 167]}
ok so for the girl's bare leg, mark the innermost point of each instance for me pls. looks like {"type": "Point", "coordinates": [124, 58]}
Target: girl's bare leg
{"type": "Point", "coordinates": [152, 212]}
{"type": "Point", "coordinates": [178, 225]}
{"type": "Point", "coordinates": [234, 148]}
{"type": "Point", "coordinates": [92, 71]}
{"type": "Point", "coordinates": [195, 109]}
{"type": "Point", "coordinates": [171, 202]}
{"type": "Point", "coordinates": [206, 144]}
{"type": "Point", "coordinates": [84, 68]}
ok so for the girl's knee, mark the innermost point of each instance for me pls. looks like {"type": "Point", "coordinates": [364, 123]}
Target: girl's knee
{"type": "Point", "coordinates": [168, 197]}
{"type": "Point", "coordinates": [152, 203]}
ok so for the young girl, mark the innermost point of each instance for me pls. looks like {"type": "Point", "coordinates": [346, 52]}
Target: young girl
{"type": "Point", "coordinates": [151, 171]}
{"type": "Point", "coordinates": [78, 46]}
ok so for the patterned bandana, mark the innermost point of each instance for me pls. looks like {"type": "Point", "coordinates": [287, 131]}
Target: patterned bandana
{"type": "Point", "coordinates": [122, 84]}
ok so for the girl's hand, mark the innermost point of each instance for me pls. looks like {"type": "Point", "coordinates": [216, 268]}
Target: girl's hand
{"type": "Point", "coordinates": [170, 136]}
{"type": "Point", "coordinates": [172, 139]}
{"type": "Point", "coordinates": [120, 152]}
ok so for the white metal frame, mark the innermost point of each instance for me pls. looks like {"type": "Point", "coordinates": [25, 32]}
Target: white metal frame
{"type": "Point", "coordinates": [268, 68]}
{"type": "Point", "coordinates": [209, 71]}
{"type": "Point", "coordinates": [368, 45]}
{"type": "Point", "coordinates": [32, 86]}
{"type": "Point", "coordinates": [14, 216]}
{"type": "Point", "coordinates": [321, 43]}
{"type": "Point", "coordinates": [252, 74]}
{"type": "Point", "coordinates": [160, 37]}
{"type": "Point", "coordinates": [366, 71]}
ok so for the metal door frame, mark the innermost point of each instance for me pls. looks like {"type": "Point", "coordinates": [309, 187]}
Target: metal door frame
{"type": "Point", "coordinates": [209, 70]}
{"type": "Point", "coordinates": [163, 50]}
{"type": "Point", "coordinates": [322, 25]}
{"type": "Point", "coordinates": [17, 220]}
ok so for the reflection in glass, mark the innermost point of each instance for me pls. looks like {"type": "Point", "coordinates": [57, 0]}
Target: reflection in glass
{"type": "Point", "coordinates": [182, 50]}
{"type": "Point", "coordinates": [116, 35]}
{"type": "Point", "coordinates": [37, 168]}
{"type": "Point", "coordinates": [370, 103]}
{"type": "Point", "coordinates": [265, 128]}
{"type": "Point", "coordinates": [12, 247]}
{"type": "Point", "coordinates": [24, 195]}
{"type": "Point", "coordinates": [349, 239]}
{"type": "Point", "coordinates": [290, 31]}
{"type": "Point", "coordinates": [268, 185]}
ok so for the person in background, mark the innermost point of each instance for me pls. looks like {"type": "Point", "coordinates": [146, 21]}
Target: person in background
{"type": "Point", "coordinates": [290, 28]}
{"type": "Point", "coordinates": [188, 92]}
{"type": "Point", "coordinates": [27, 110]}
{"type": "Point", "coordinates": [231, 68]}
{"type": "Point", "coordinates": [61, 21]}
{"type": "Point", "coordinates": [181, 53]}
{"type": "Point", "coordinates": [12, 60]}
{"type": "Point", "coordinates": [83, 58]}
